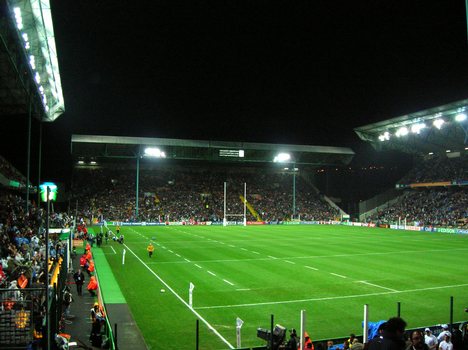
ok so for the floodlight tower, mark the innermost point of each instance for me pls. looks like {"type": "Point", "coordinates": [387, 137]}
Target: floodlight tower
{"type": "Point", "coordinates": [286, 158]}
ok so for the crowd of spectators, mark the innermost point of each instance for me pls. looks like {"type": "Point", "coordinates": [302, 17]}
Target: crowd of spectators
{"type": "Point", "coordinates": [438, 168]}
{"type": "Point", "coordinates": [444, 207]}
{"type": "Point", "coordinates": [198, 195]}
{"type": "Point", "coordinates": [23, 254]}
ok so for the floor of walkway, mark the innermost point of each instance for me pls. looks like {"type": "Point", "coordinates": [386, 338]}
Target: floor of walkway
{"type": "Point", "coordinates": [79, 323]}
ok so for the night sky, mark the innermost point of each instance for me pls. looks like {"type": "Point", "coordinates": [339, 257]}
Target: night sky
{"type": "Point", "coordinates": [301, 72]}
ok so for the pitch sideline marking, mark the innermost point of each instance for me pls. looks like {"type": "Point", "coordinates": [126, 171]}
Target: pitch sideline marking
{"type": "Point", "coordinates": [113, 249]}
{"type": "Point", "coordinates": [310, 267]}
{"type": "Point", "coordinates": [335, 274]}
{"type": "Point", "coordinates": [376, 285]}
{"type": "Point", "coordinates": [328, 298]}
{"type": "Point", "coordinates": [182, 300]}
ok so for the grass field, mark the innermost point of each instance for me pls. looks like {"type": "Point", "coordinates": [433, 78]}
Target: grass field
{"type": "Point", "coordinates": [255, 271]}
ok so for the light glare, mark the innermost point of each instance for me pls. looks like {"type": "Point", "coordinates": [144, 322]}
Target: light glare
{"type": "Point", "coordinates": [438, 123]}
{"type": "Point", "coordinates": [460, 117]}
{"type": "Point", "coordinates": [282, 157]}
{"type": "Point", "coordinates": [154, 152]}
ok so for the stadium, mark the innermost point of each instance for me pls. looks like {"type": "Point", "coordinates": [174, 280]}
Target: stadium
{"type": "Point", "coordinates": [183, 243]}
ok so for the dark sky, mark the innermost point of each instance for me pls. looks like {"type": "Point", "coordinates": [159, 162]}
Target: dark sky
{"type": "Point", "coordinates": [303, 72]}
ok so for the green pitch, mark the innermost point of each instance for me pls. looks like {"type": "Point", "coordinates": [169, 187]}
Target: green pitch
{"type": "Point", "coordinates": [255, 271]}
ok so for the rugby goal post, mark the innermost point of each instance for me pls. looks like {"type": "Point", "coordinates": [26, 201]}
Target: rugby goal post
{"type": "Point", "coordinates": [225, 220]}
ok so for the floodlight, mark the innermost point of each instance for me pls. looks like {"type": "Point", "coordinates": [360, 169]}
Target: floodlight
{"type": "Point", "coordinates": [286, 168]}
{"type": "Point", "coordinates": [460, 117]}
{"type": "Point", "coordinates": [438, 123]}
{"type": "Point", "coordinates": [80, 162]}
{"type": "Point", "coordinates": [92, 162]}
{"type": "Point", "coordinates": [466, 148]}
{"type": "Point", "coordinates": [447, 151]}
{"type": "Point", "coordinates": [403, 131]}
{"type": "Point", "coordinates": [241, 153]}
{"type": "Point", "coordinates": [53, 189]}
{"type": "Point", "coordinates": [416, 128]}
{"type": "Point", "coordinates": [154, 152]}
{"type": "Point", "coordinates": [18, 18]}
{"type": "Point", "coordinates": [282, 157]}
{"type": "Point", "coordinates": [431, 153]}
{"type": "Point", "coordinates": [384, 136]}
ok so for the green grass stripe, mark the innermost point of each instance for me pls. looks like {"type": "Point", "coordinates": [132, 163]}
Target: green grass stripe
{"type": "Point", "coordinates": [109, 287]}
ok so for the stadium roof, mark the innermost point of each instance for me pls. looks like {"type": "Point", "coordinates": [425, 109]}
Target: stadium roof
{"type": "Point", "coordinates": [94, 147]}
{"type": "Point", "coordinates": [442, 129]}
{"type": "Point", "coordinates": [28, 60]}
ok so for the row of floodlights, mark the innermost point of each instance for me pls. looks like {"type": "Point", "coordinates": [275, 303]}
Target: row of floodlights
{"type": "Point", "coordinates": [416, 128]}
{"type": "Point", "coordinates": [32, 59]}
{"type": "Point", "coordinates": [82, 162]}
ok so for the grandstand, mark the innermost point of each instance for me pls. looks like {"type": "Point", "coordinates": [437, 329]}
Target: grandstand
{"type": "Point", "coordinates": [434, 192]}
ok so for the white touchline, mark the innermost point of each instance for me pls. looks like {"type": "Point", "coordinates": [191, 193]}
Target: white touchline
{"type": "Point", "coordinates": [272, 257]}
{"type": "Point", "coordinates": [113, 249]}
{"type": "Point", "coordinates": [335, 274]}
{"type": "Point", "coordinates": [228, 282]}
{"type": "Point", "coordinates": [198, 266]}
{"type": "Point", "coordinates": [310, 267]}
{"type": "Point", "coordinates": [170, 251]}
{"type": "Point", "coordinates": [211, 273]}
{"type": "Point", "coordinates": [376, 285]}
{"type": "Point", "coordinates": [182, 300]}
{"type": "Point", "coordinates": [289, 262]}
{"type": "Point", "coordinates": [242, 289]}
{"type": "Point", "coordinates": [255, 252]}
{"type": "Point", "coordinates": [233, 246]}
{"type": "Point", "coordinates": [329, 298]}
{"type": "Point", "coordinates": [178, 255]}
{"type": "Point", "coordinates": [187, 260]}
{"type": "Point", "coordinates": [243, 249]}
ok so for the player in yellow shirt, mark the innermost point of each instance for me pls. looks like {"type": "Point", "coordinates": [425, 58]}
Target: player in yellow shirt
{"type": "Point", "coordinates": [150, 249]}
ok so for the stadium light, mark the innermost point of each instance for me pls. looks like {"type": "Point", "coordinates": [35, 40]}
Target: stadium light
{"type": "Point", "coordinates": [81, 162]}
{"type": "Point", "coordinates": [282, 157]}
{"type": "Point", "coordinates": [403, 131]}
{"type": "Point", "coordinates": [384, 136]}
{"type": "Point", "coordinates": [438, 123]}
{"type": "Point", "coordinates": [447, 151]}
{"type": "Point", "coordinates": [154, 152]}
{"type": "Point", "coordinates": [431, 153]}
{"type": "Point", "coordinates": [92, 162]}
{"type": "Point", "coordinates": [460, 117]}
{"type": "Point", "coordinates": [416, 128]}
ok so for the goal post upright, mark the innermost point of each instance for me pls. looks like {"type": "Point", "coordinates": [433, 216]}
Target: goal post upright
{"type": "Point", "coordinates": [245, 203]}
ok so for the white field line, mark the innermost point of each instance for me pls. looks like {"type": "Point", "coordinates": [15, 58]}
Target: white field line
{"type": "Point", "coordinates": [329, 298]}
{"type": "Point", "coordinates": [113, 249]}
{"type": "Point", "coordinates": [232, 246]}
{"type": "Point", "coordinates": [198, 266]}
{"type": "Point", "coordinates": [244, 249]}
{"type": "Point", "coordinates": [187, 260]}
{"type": "Point", "coordinates": [242, 289]}
{"type": "Point", "coordinates": [376, 285]}
{"type": "Point", "coordinates": [255, 252]}
{"type": "Point", "coordinates": [290, 262]}
{"type": "Point", "coordinates": [183, 301]}
{"type": "Point", "coordinates": [228, 282]}
{"type": "Point", "coordinates": [178, 255]}
{"type": "Point", "coordinates": [272, 257]}
{"type": "Point", "coordinates": [310, 267]}
{"type": "Point", "coordinates": [211, 273]}
{"type": "Point", "coordinates": [335, 274]}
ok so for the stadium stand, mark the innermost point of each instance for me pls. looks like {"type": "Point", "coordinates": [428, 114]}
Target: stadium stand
{"type": "Point", "coordinates": [197, 195]}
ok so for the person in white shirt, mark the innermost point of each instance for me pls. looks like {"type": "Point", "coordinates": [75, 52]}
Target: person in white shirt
{"type": "Point", "coordinates": [430, 339]}
{"type": "Point", "coordinates": [445, 332]}
{"type": "Point", "coordinates": [446, 344]}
